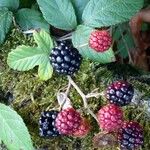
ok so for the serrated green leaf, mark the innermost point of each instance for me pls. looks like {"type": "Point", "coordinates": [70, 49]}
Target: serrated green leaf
{"type": "Point", "coordinates": [6, 17]}
{"type": "Point", "coordinates": [13, 131]}
{"type": "Point", "coordinates": [24, 58]}
{"type": "Point", "coordinates": [79, 6]}
{"type": "Point", "coordinates": [43, 40]}
{"type": "Point", "coordinates": [45, 70]}
{"type": "Point", "coordinates": [80, 39]}
{"type": "Point", "coordinates": [59, 13]}
{"type": "Point", "coordinates": [31, 19]}
{"type": "Point", "coordinates": [10, 4]}
{"type": "Point", "coordinates": [100, 13]}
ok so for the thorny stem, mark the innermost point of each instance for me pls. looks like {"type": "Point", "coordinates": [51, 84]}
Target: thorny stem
{"type": "Point", "coordinates": [83, 97]}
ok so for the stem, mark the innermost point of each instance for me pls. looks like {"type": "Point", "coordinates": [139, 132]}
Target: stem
{"type": "Point", "coordinates": [62, 39]}
{"type": "Point", "coordinates": [32, 98]}
{"type": "Point", "coordinates": [83, 45]}
{"type": "Point", "coordinates": [96, 95]}
{"type": "Point", "coordinates": [68, 88]}
{"type": "Point", "coordinates": [65, 95]}
{"type": "Point", "coordinates": [65, 37]}
{"type": "Point", "coordinates": [83, 97]}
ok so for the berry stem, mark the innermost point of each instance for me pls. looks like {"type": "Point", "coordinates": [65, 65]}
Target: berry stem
{"type": "Point", "coordinates": [96, 95]}
{"type": "Point", "coordinates": [64, 96]}
{"type": "Point", "coordinates": [68, 88]}
{"type": "Point", "coordinates": [83, 97]}
{"type": "Point", "coordinates": [65, 37]}
{"type": "Point", "coordinates": [83, 45]}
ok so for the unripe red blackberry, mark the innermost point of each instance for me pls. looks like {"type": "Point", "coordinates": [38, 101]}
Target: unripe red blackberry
{"type": "Point", "coordinates": [100, 41]}
{"type": "Point", "coordinates": [110, 118]}
{"type": "Point", "coordinates": [120, 93]}
{"type": "Point", "coordinates": [68, 121]}
{"type": "Point", "coordinates": [130, 136]}
{"type": "Point", "coordinates": [83, 129]}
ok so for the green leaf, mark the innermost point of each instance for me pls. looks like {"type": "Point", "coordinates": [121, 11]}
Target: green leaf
{"type": "Point", "coordinates": [80, 40]}
{"type": "Point", "coordinates": [124, 44]}
{"type": "Point", "coordinates": [31, 19]}
{"type": "Point", "coordinates": [59, 13]}
{"type": "Point", "coordinates": [5, 23]}
{"type": "Point", "coordinates": [13, 131]}
{"type": "Point", "coordinates": [79, 6]}
{"type": "Point", "coordinates": [10, 4]}
{"type": "Point", "coordinates": [123, 37]}
{"type": "Point", "coordinates": [24, 58]}
{"type": "Point", "coordinates": [43, 40]}
{"type": "Point", "coordinates": [100, 13]}
{"type": "Point", "coordinates": [45, 70]}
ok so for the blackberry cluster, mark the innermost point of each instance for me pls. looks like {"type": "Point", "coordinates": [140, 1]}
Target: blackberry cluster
{"type": "Point", "coordinates": [120, 93]}
{"type": "Point", "coordinates": [131, 136]}
{"type": "Point", "coordinates": [65, 59]}
{"type": "Point", "coordinates": [47, 124]}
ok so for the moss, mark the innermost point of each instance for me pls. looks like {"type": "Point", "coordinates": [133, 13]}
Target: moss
{"type": "Point", "coordinates": [33, 95]}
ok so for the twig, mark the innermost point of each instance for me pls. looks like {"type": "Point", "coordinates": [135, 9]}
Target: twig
{"type": "Point", "coordinates": [83, 97]}
{"type": "Point", "coordinates": [96, 95]}
{"type": "Point", "coordinates": [32, 98]}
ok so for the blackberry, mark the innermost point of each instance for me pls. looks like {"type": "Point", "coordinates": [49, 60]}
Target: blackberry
{"type": "Point", "coordinates": [68, 121]}
{"type": "Point", "coordinates": [110, 117]}
{"type": "Point", "coordinates": [47, 124]}
{"type": "Point", "coordinates": [65, 59]}
{"type": "Point", "coordinates": [120, 93]}
{"type": "Point", "coordinates": [130, 136]}
{"type": "Point", "coordinates": [100, 41]}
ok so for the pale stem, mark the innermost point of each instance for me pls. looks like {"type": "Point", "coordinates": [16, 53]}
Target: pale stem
{"type": "Point", "coordinates": [65, 95]}
{"type": "Point", "coordinates": [83, 97]}
{"type": "Point", "coordinates": [96, 95]}
{"type": "Point", "coordinates": [63, 39]}
{"type": "Point", "coordinates": [83, 45]}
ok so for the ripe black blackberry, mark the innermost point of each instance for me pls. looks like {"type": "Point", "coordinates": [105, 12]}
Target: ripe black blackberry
{"type": "Point", "coordinates": [65, 59]}
{"type": "Point", "coordinates": [120, 93]}
{"type": "Point", "coordinates": [130, 136]}
{"type": "Point", "coordinates": [47, 124]}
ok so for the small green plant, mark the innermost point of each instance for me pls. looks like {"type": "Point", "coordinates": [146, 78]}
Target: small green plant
{"type": "Point", "coordinates": [24, 58]}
